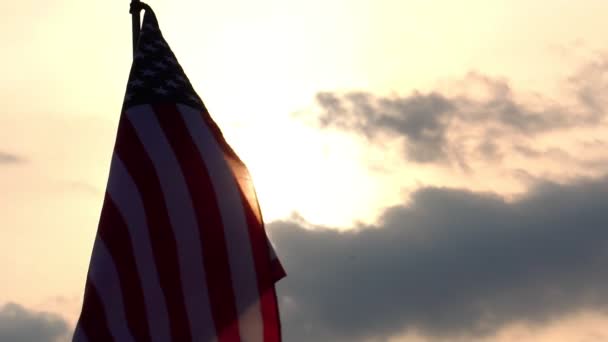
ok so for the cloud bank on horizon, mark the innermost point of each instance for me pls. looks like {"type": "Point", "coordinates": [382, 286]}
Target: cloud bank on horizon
{"type": "Point", "coordinates": [451, 264]}
{"type": "Point", "coordinates": [18, 324]}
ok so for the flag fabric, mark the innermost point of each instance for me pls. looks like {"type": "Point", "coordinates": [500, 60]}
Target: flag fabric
{"type": "Point", "coordinates": [181, 253]}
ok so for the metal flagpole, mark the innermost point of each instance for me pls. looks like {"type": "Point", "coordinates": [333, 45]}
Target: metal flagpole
{"type": "Point", "coordinates": [135, 19]}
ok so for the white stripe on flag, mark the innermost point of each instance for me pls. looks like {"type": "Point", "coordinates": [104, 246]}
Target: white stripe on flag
{"type": "Point", "coordinates": [182, 215]}
{"type": "Point", "coordinates": [236, 231]}
{"type": "Point", "coordinates": [104, 277]}
{"type": "Point", "coordinates": [126, 197]}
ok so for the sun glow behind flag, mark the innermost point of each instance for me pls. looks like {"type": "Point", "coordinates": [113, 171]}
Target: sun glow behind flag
{"type": "Point", "coordinates": [181, 253]}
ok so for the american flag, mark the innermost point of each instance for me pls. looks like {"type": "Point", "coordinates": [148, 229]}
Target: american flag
{"type": "Point", "coordinates": [180, 253]}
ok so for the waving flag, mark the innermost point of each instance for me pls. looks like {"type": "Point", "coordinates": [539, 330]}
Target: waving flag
{"type": "Point", "coordinates": [181, 253]}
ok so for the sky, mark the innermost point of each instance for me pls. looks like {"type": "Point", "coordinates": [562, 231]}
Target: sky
{"type": "Point", "coordinates": [428, 170]}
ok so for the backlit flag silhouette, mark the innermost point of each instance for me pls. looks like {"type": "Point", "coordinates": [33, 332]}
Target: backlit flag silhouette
{"type": "Point", "coordinates": [181, 253]}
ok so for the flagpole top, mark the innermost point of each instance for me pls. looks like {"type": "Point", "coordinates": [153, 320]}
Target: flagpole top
{"type": "Point", "coordinates": [135, 9]}
{"type": "Point", "coordinates": [137, 6]}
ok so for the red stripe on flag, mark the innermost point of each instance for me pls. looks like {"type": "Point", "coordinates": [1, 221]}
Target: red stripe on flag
{"type": "Point", "coordinates": [93, 319]}
{"type": "Point", "coordinates": [261, 256]}
{"type": "Point", "coordinates": [215, 254]}
{"type": "Point", "coordinates": [268, 270]}
{"type": "Point", "coordinates": [114, 233]}
{"type": "Point", "coordinates": [272, 327]}
{"type": "Point", "coordinates": [131, 151]}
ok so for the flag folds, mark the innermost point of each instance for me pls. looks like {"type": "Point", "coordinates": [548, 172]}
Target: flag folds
{"type": "Point", "coordinates": [180, 253]}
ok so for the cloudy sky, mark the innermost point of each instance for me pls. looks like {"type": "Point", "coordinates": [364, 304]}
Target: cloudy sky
{"type": "Point", "coordinates": [429, 170]}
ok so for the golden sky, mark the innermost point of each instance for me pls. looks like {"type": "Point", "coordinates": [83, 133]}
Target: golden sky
{"type": "Point", "coordinates": [259, 67]}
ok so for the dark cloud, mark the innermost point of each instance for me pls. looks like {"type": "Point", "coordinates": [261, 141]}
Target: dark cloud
{"type": "Point", "coordinates": [423, 119]}
{"type": "Point", "coordinates": [437, 126]}
{"type": "Point", "coordinates": [18, 324]}
{"type": "Point", "coordinates": [490, 150]}
{"type": "Point", "coordinates": [590, 84]}
{"type": "Point", "coordinates": [452, 263]}
{"type": "Point", "coordinates": [7, 158]}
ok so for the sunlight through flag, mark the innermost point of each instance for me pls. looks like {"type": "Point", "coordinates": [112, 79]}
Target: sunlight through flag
{"type": "Point", "coordinates": [181, 253]}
